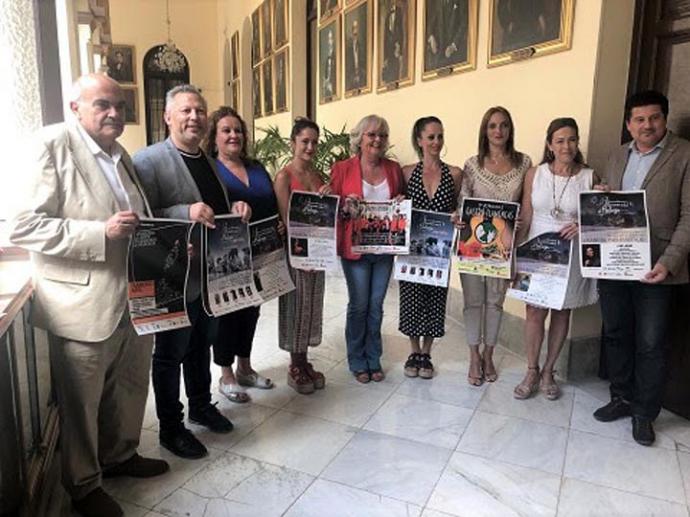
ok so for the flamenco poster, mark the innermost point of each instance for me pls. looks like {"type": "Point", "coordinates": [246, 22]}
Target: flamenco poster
{"type": "Point", "coordinates": [485, 243]}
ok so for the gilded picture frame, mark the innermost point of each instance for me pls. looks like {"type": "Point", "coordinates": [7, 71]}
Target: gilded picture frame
{"type": "Point", "coordinates": [131, 96]}
{"type": "Point", "coordinates": [281, 13]}
{"type": "Point", "coordinates": [358, 41]}
{"type": "Point", "coordinates": [267, 86]}
{"type": "Point", "coordinates": [450, 37]}
{"type": "Point", "coordinates": [235, 54]}
{"type": "Point", "coordinates": [122, 64]}
{"type": "Point", "coordinates": [522, 30]}
{"type": "Point", "coordinates": [257, 100]}
{"type": "Point", "coordinates": [281, 73]}
{"type": "Point", "coordinates": [329, 61]}
{"type": "Point", "coordinates": [396, 24]}
{"type": "Point", "coordinates": [256, 36]}
{"type": "Point", "coordinates": [328, 9]}
{"type": "Point", "coordinates": [266, 29]}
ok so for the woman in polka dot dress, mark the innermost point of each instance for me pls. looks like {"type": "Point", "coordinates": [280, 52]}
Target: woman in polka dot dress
{"type": "Point", "coordinates": [431, 185]}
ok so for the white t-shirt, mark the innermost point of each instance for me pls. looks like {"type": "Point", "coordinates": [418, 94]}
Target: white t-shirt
{"type": "Point", "coordinates": [380, 192]}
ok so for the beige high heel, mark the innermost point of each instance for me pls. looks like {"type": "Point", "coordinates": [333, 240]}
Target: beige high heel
{"type": "Point", "coordinates": [526, 389]}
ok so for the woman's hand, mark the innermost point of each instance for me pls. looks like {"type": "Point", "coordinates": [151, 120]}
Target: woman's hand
{"type": "Point", "coordinates": [242, 209]}
{"type": "Point", "coordinates": [457, 221]}
{"type": "Point", "coordinates": [603, 187]}
{"type": "Point", "coordinates": [399, 198]}
{"type": "Point", "coordinates": [325, 190]}
{"type": "Point", "coordinates": [569, 231]}
{"type": "Point", "coordinates": [281, 228]}
{"type": "Point", "coordinates": [518, 224]}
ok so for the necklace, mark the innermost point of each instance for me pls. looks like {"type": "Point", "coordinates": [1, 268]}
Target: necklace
{"type": "Point", "coordinates": [557, 211]}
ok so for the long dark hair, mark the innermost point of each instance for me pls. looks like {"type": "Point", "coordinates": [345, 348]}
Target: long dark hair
{"type": "Point", "coordinates": [556, 124]}
{"type": "Point", "coordinates": [209, 144]}
{"type": "Point", "coordinates": [417, 129]}
{"type": "Point", "coordinates": [483, 144]}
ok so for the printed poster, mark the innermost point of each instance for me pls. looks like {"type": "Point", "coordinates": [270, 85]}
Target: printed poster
{"type": "Point", "coordinates": [229, 274]}
{"type": "Point", "coordinates": [269, 260]}
{"type": "Point", "coordinates": [381, 227]}
{"type": "Point", "coordinates": [311, 231]}
{"type": "Point", "coordinates": [543, 268]}
{"type": "Point", "coordinates": [431, 245]}
{"type": "Point", "coordinates": [485, 244]}
{"type": "Point", "coordinates": [157, 273]}
{"type": "Point", "coordinates": [614, 235]}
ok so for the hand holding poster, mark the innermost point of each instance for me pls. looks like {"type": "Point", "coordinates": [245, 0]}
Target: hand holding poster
{"type": "Point", "coordinates": [311, 231]}
{"type": "Point", "coordinates": [269, 264]}
{"type": "Point", "coordinates": [157, 271]}
{"type": "Point", "coordinates": [485, 244]}
{"type": "Point", "coordinates": [614, 235]}
{"type": "Point", "coordinates": [431, 243]}
{"type": "Point", "coordinates": [543, 268]}
{"type": "Point", "coordinates": [381, 227]}
{"type": "Point", "coordinates": [229, 276]}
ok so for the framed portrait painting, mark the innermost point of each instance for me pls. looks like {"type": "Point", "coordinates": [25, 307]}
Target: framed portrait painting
{"type": "Point", "coordinates": [256, 37]}
{"type": "Point", "coordinates": [328, 8]}
{"type": "Point", "coordinates": [235, 53]}
{"type": "Point", "coordinates": [521, 30]}
{"type": "Point", "coordinates": [395, 43]}
{"type": "Point", "coordinates": [450, 37]}
{"type": "Point", "coordinates": [267, 79]}
{"type": "Point", "coordinates": [281, 70]}
{"type": "Point", "coordinates": [131, 104]}
{"type": "Point", "coordinates": [266, 36]}
{"type": "Point", "coordinates": [121, 63]}
{"type": "Point", "coordinates": [329, 61]}
{"type": "Point", "coordinates": [256, 91]}
{"type": "Point", "coordinates": [357, 45]}
{"type": "Point", "coordinates": [280, 23]}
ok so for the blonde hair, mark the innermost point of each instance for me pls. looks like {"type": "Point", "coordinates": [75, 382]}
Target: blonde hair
{"type": "Point", "coordinates": [358, 131]}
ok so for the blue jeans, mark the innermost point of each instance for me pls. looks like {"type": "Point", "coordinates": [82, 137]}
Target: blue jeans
{"type": "Point", "coordinates": [636, 324]}
{"type": "Point", "coordinates": [367, 283]}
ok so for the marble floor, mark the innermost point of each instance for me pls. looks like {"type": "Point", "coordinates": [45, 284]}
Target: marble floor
{"type": "Point", "coordinates": [412, 447]}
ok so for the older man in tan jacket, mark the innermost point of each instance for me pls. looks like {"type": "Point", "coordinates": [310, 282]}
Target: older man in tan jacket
{"type": "Point", "coordinates": [636, 314]}
{"type": "Point", "coordinates": [82, 203]}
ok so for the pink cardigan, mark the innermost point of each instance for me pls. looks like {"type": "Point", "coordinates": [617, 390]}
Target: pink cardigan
{"type": "Point", "coordinates": [346, 178]}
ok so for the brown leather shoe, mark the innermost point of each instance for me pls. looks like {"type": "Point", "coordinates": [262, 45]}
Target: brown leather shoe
{"type": "Point", "coordinates": [97, 503]}
{"type": "Point", "coordinates": [138, 467]}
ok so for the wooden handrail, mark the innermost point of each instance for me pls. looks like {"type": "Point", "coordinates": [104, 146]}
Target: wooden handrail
{"type": "Point", "coordinates": [15, 306]}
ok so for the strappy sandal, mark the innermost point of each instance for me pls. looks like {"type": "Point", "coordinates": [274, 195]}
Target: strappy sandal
{"type": "Point", "coordinates": [550, 390]}
{"type": "Point", "coordinates": [489, 377]}
{"type": "Point", "coordinates": [377, 375]}
{"type": "Point", "coordinates": [411, 367]}
{"type": "Point", "coordinates": [318, 378]}
{"type": "Point", "coordinates": [253, 380]}
{"type": "Point", "coordinates": [299, 380]}
{"type": "Point", "coordinates": [426, 368]}
{"type": "Point", "coordinates": [473, 380]}
{"type": "Point", "coordinates": [233, 392]}
{"type": "Point", "coordinates": [526, 389]}
{"type": "Point", "coordinates": [362, 376]}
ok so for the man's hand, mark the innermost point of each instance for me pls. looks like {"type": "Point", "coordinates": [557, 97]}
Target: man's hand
{"type": "Point", "coordinates": [657, 275]}
{"type": "Point", "coordinates": [243, 210]}
{"type": "Point", "coordinates": [202, 213]}
{"type": "Point", "coordinates": [121, 225]}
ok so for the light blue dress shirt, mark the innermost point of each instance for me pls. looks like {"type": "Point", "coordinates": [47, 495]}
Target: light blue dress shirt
{"type": "Point", "coordinates": [639, 164]}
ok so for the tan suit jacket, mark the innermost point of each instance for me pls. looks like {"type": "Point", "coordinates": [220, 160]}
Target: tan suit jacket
{"type": "Point", "coordinates": [80, 278]}
{"type": "Point", "coordinates": [668, 203]}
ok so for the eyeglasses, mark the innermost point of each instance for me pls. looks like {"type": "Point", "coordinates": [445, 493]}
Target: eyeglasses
{"type": "Point", "coordinates": [373, 134]}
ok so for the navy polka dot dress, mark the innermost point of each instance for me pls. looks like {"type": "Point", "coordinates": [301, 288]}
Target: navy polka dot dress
{"type": "Point", "coordinates": [423, 307]}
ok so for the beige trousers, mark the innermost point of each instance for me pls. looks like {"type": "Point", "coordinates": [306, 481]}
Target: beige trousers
{"type": "Point", "coordinates": [101, 391]}
{"type": "Point", "coordinates": [483, 310]}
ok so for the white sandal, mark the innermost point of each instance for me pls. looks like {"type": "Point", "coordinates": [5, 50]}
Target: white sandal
{"type": "Point", "coordinates": [254, 380]}
{"type": "Point", "coordinates": [234, 392]}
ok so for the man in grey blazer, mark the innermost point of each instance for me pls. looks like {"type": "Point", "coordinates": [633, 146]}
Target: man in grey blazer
{"type": "Point", "coordinates": [636, 314]}
{"type": "Point", "coordinates": [82, 203]}
{"type": "Point", "coordinates": [181, 182]}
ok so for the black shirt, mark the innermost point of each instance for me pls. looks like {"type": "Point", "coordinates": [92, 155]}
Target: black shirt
{"type": "Point", "coordinates": [209, 186]}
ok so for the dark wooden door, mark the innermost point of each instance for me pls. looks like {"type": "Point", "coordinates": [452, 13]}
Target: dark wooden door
{"type": "Point", "coordinates": [661, 60]}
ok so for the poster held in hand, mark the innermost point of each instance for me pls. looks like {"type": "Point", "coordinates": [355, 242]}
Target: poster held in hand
{"type": "Point", "coordinates": [381, 227]}
{"type": "Point", "coordinates": [269, 260]}
{"type": "Point", "coordinates": [311, 231]}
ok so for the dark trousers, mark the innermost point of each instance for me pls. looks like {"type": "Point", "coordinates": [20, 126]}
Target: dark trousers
{"type": "Point", "coordinates": [190, 348]}
{"type": "Point", "coordinates": [235, 335]}
{"type": "Point", "coordinates": [636, 324]}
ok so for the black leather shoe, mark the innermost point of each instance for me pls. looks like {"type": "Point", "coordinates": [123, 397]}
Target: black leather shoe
{"type": "Point", "coordinates": [643, 431]}
{"type": "Point", "coordinates": [97, 503]}
{"type": "Point", "coordinates": [211, 418]}
{"type": "Point", "coordinates": [183, 443]}
{"type": "Point", "coordinates": [617, 408]}
{"type": "Point", "coordinates": [138, 467]}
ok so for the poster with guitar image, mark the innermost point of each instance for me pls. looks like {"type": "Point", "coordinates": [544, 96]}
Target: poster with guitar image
{"type": "Point", "coordinates": [485, 244]}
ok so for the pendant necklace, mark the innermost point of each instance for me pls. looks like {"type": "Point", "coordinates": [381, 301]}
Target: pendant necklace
{"type": "Point", "coordinates": [557, 211]}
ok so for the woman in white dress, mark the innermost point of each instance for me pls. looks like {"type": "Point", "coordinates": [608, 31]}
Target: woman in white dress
{"type": "Point", "coordinates": [549, 204]}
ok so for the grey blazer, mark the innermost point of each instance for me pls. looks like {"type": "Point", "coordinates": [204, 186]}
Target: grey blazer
{"type": "Point", "coordinates": [668, 203]}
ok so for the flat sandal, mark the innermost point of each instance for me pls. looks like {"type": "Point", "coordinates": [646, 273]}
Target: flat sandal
{"type": "Point", "coordinates": [526, 389]}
